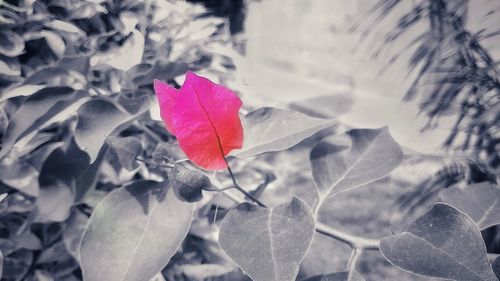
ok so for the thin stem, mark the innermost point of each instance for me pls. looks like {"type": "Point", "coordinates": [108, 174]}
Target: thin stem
{"type": "Point", "coordinates": [317, 206]}
{"type": "Point", "coordinates": [351, 240]}
{"type": "Point", "coordinates": [240, 189]}
{"type": "Point", "coordinates": [353, 260]}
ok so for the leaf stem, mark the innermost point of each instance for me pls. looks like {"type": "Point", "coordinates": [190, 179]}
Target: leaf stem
{"type": "Point", "coordinates": [353, 260]}
{"type": "Point", "coordinates": [240, 189]}
{"type": "Point", "coordinates": [355, 242]}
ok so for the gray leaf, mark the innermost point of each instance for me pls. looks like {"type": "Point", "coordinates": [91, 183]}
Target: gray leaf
{"type": "Point", "coordinates": [365, 156]}
{"type": "Point", "coordinates": [133, 232]}
{"type": "Point", "coordinates": [271, 129]}
{"type": "Point", "coordinates": [97, 119]}
{"type": "Point", "coordinates": [268, 244]}
{"type": "Point", "coordinates": [37, 109]}
{"type": "Point", "coordinates": [443, 243]}
{"type": "Point", "coordinates": [479, 201]}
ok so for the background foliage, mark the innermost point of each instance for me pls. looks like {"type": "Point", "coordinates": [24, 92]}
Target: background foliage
{"type": "Point", "coordinates": [92, 186]}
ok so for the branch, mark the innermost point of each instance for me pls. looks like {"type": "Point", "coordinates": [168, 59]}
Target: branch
{"type": "Point", "coordinates": [240, 189]}
{"type": "Point", "coordinates": [354, 241]}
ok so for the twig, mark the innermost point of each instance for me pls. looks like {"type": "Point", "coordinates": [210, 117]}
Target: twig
{"type": "Point", "coordinates": [240, 189]}
{"type": "Point", "coordinates": [351, 264]}
{"type": "Point", "coordinates": [354, 241]}
{"type": "Point", "coordinates": [353, 260]}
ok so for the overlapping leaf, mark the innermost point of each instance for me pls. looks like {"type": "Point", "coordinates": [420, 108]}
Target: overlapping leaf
{"type": "Point", "coordinates": [271, 129]}
{"type": "Point", "coordinates": [443, 243]}
{"type": "Point", "coordinates": [37, 109]}
{"type": "Point", "coordinates": [97, 119]}
{"type": "Point", "coordinates": [268, 244]}
{"type": "Point", "coordinates": [479, 201]}
{"type": "Point", "coordinates": [363, 156]}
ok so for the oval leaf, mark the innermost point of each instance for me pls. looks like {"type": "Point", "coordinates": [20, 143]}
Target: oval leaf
{"type": "Point", "coordinates": [188, 184]}
{"type": "Point", "coordinates": [443, 243]}
{"type": "Point", "coordinates": [270, 129]}
{"type": "Point", "coordinates": [337, 276]}
{"type": "Point", "coordinates": [133, 232]}
{"type": "Point", "coordinates": [479, 201]}
{"type": "Point", "coordinates": [37, 109]}
{"type": "Point", "coordinates": [367, 155]}
{"type": "Point", "coordinates": [97, 119]}
{"type": "Point", "coordinates": [268, 244]}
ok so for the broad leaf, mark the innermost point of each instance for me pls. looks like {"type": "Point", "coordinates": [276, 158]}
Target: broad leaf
{"type": "Point", "coordinates": [479, 201]}
{"type": "Point", "coordinates": [133, 232]}
{"type": "Point", "coordinates": [271, 129]}
{"type": "Point", "coordinates": [363, 156]}
{"type": "Point", "coordinates": [268, 244]}
{"type": "Point", "coordinates": [37, 109]}
{"type": "Point", "coordinates": [443, 243]}
{"type": "Point", "coordinates": [73, 232]}
{"type": "Point", "coordinates": [53, 203]}
{"type": "Point", "coordinates": [337, 276]}
{"type": "Point", "coordinates": [97, 119]}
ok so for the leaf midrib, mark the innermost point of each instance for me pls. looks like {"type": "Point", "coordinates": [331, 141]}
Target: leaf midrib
{"type": "Point", "coordinates": [141, 238]}
{"type": "Point", "coordinates": [446, 254]}
{"type": "Point", "coordinates": [332, 187]}
{"type": "Point", "coordinates": [211, 124]}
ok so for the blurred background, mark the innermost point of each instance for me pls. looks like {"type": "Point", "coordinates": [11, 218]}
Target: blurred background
{"type": "Point", "coordinates": [427, 69]}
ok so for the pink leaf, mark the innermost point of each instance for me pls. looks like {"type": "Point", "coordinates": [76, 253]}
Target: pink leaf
{"type": "Point", "coordinates": [167, 95]}
{"type": "Point", "coordinates": [204, 117]}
